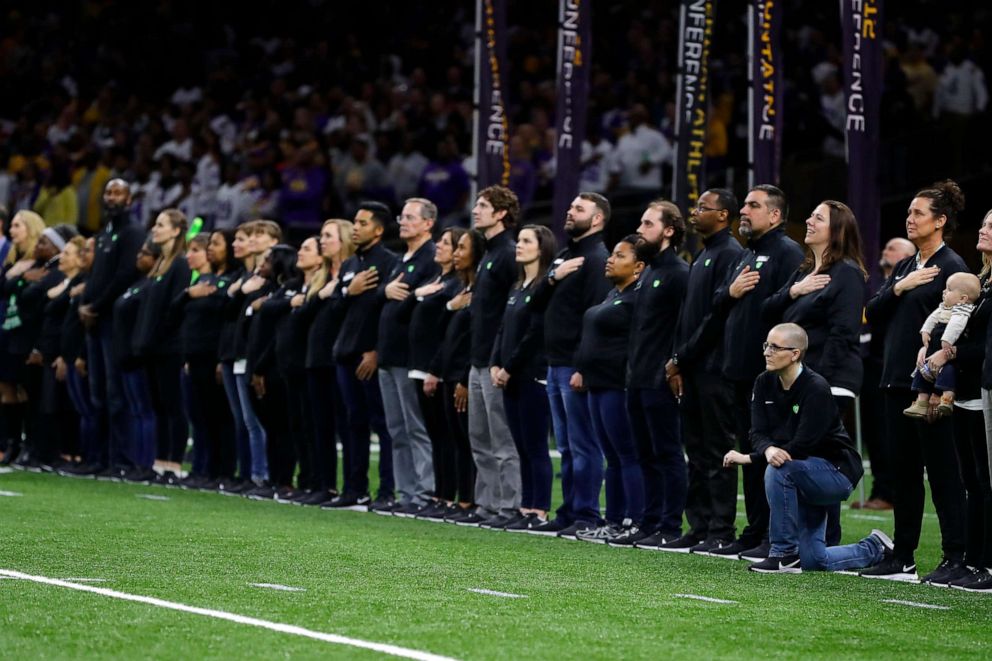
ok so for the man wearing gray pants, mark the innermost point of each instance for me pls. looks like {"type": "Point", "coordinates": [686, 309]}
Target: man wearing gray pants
{"type": "Point", "coordinates": [412, 466]}
{"type": "Point", "coordinates": [497, 485]}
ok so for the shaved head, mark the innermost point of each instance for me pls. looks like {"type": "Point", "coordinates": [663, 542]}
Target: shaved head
{"type": "Point", "coordinates": [790, 335]}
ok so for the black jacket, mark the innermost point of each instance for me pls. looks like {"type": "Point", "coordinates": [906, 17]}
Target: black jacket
{"type": "Point", "coordinates": [428, 322]}
{"type": "Point", "coordinates": [229, 319]}
{"type": "Point", "coordinates": [156, 329]}
{"type": "Point", "coordinates": [114, 256]}
{"type": "Point", "coordinates": [50, 340]}
{"type": "Point", "coordinates": [803, 421]}
{"type": "Point", "coordinates": [201, 320]}
{"type": "Point", "coordinates": [360, 325]}
{"type": "Point", "coordinates": [566, 301]}
{"type": "Point", "coordinates": [602, 355]}
{"type": "Point", "coordinates": [291, 335]}
{"type": "Point", "coordinates": [972, 369]}
{"type": "Point", "coordinates": [519, 344]}
{"type": "Point", "coordinates": [903, 316]}
{"type": "Point", "coordinates": [322, 320]}
{"type": "Point", "coordinates": [659, 293]}
{"type": "Point", "coordinates": [496, 275]}
{"type": "Point", "coordinates": [776, 257]}
{"type": "Point", "coordinates": [26, 308]}
{"type": "Point", "coordinates": [452, 361]}
{"type": "Point", "coordinates": [393, 347]}
{"type": "Point", "coordinates": [125, 310]}
{"type": "Point", "coordinates": [73, 340]}
{"type": "Point", "coordinates": [261, 356]}
{"type": "Point", "coordinates": [698, 343]}
{"type": "Point", "coordinates": [831, 318]}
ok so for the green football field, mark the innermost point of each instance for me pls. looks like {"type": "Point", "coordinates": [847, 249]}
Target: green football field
{"type": "Point", "coordinates": [341, 582]}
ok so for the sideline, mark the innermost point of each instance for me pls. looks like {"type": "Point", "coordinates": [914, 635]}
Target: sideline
{"type": "Point", "coordinates": [233, 617]}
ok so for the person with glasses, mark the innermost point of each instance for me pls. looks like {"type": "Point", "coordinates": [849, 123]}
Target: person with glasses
{"type": "Point", "coordinates": [809, 462]}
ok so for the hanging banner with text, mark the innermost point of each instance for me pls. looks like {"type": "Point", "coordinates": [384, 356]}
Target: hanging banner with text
{"type": "Point", "coordinates": [861, 23]}
{"type": "Point", "coordinates": [692, 97]}
{"type": "Point", "coordinates": [765, 94]}
{"type": "Point", "coordinates": [574, 50]}
{"type": "Point", "coordinates": [492, 125]}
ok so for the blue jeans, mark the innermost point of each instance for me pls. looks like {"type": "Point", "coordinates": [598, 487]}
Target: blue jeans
{"type": "Point", "coordinates": [800, 493]}
{"type": "Point", "coordinates": [527, 417]}
{"type": "Point", "coordinates": [624, 478]}
{"type": "Point", "coordinates": [946, 381]}
{"type": "Point", "coordinates": [193, 408]}
{"type": "Point", "coordinates": [256, 433]}
{"type": "Point", "coordinates": [655, 421]}
{"type": "Point", "coordinates": [107, 394]}
{"type": "Point", "coordinates": [89, 422]}
{"type": "Point", "coordinates": [363, 402]}
{"type": "Point", "coordinates": [581, 456]}
{"type": "Point", "coordinates": [138, 394]}
{"type": "Point", "coordinates": [242, 444]}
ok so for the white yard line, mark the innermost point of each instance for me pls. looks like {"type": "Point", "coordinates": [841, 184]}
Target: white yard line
{"type": "Point", "coordinates": [916, 604]}
{"type": "Point", "coordinates": [276, 586]}
{"type": "Point", "coordinates": [5, 469]}
{"type": "Point", "coordinates": [86, 580]}
{"type": "Point", "coordinates": [151, 496]}
{"type": "Point", "coordinates": [385, 648]}
{"type": "Point", "coordinates": [699, 597]}
{"type": "Point", "coordinates": [869, 517]}
{"type": "Point", "coordinates": [494, 593]}
{"type": "Point", "coordinates": [11, 494]}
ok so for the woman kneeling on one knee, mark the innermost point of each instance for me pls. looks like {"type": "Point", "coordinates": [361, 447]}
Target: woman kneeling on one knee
{"type": "Point", "coordinates": [812, 463]}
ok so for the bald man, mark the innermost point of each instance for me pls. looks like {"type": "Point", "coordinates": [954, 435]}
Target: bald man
{"type": "Point", "coordinates": [882, 493]}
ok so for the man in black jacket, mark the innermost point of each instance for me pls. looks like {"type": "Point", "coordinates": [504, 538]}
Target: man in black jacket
{"type": "Point", "coordinates": [575, 283]}
{"type": "Point", "coordinates": [808, 460]}
{"type": "Point", "coordinates": [694, 375]}
{"type": "Point", "coordinates": [765, 266]}
{"type": "Point", "coordinates": [114, 269]}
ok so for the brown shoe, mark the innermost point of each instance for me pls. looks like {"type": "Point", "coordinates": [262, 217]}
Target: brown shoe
{"type": "Point", "coordinates": [877, 504]}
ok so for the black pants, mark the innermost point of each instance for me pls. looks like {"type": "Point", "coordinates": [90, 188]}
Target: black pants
{"type": "Point", "coordinates": [325, 413]}
{"type": "Point", "coordinates": [969, 436]}
{"type": "Point", "coordinates": [924, 446]}
{"type": "Point", "coordinates": [442, 446]}
{"type": "Point", "coordinates": [167, 401]}
{"type": "Point", "coordinates": [218, 425]}
{"type": "Point", "coordinates": [755, 503]}
{"type": "Point", "coordinates": [273, 413]}
{"type": "Point", "coordinates": [300, 429]}
{"type": "Point", "coordinates": [58, 423]}
{"type": "Point", "coordinates": [708, 417]}
{"type": "Point", "coordinates": [875, 438]}
{"type": "Point", "coordinates": [457, 424]}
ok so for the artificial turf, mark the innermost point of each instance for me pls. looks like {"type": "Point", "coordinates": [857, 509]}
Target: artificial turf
{"type": "Point", "coordinates": [406, 582]}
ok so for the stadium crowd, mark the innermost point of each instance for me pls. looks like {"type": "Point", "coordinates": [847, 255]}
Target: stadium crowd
{"type": "Point", "coordinates": [463, 347]}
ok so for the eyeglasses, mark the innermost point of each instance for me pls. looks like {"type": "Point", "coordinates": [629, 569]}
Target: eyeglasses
{"type": "Point", "coordinates": [701, 209]}
{"type": "Point", "coordinates": [774, 348]}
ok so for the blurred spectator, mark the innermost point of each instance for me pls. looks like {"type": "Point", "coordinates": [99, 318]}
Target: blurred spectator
{"type": "Point", "coordinates": [57, 202]}
{"type": "Point", "coordinates": [405, 168]}
{"type": "Point", "coordinates": [361, 177]}
{"type": "Point", "coordinates": [445, 183]}
{"type": "Point", "coordinates": [640, 153]}
{"type": "Point", "coordinates": [302, 199]}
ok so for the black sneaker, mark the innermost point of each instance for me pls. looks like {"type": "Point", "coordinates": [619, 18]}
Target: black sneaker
{"type": "Point", "coordinates": [892, 569]}
{"type": "Point", "coordinates": [193, 482]}
{"type": "Point", "coordinates": [654, 542]}
{"type": "Point", "coordinates": [704, 547]}
{"type": "Point", "coordinates": [788, 564]}
{"type": "Point", "coordinates": [549, 528]}
{"type": "Point", "coordinates": [973, 573]}
{"type": "Point", "coordinates": [383, 506]}
{"type": "Point", "coordinates": [436, 510]}
{"type": "Point", "coordinates": [408, 510]}
{"type": "Point", "coordinates": [231, 487]}
{"type": "Point", "coordinates": [758, 553]}
{"type": "Point", "coordinates": [111, 474]}
{"type": "Point", "coordinates": [84, 470]}
{"type": "Point", "coordinates": [351, 502]}
{"type": "Point", "coordinates": [628, 537]}
{"type": "Point", "coordinates": [981, 582]}
{"type": "Point", "coordinates": [457, 513]}
{"type": "Point", "coordinates": [683, 544]}
{"type": "Point", "coordinates": [472, 520]}
{"type": "Point", "coordinates": [169, 479]}
{"type": "Point", "coordinates": [946, 571]}
{"type": "Point", "coordinates": [140, 476]}
{"type": "Point", "coordinates": [577, 527]}
{"type": "Point", "coordinates": [315, 498]}
{"type": "Point", "coordinates": [600, 534]}
{"type": "Point", "coordinates": [263, 491]}
{"type": "Point", "coordinates": [525, 523]}
{"type": "Point", "coordinates": [730, 551]}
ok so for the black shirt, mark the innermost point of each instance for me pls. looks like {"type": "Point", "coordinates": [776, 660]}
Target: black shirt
{"type": "Point", "coordinates": [393, 347]}
{"type": "Point", "coordinates": [803, 421]}
{"type": "Point", "coordinates": [125, 312]}
{"type": "Point", "coordinates": [26, 308]}
{"type": "Point", "coordinates": [452, 361]}
{"type": "Point", "coordinates": [229, 318]}
{"type": "Point", "coordinates": [73, 340]}
{"type": "Point", "coordinates": [202, 319]}
{"type": "Point", "coordinates": [519, 344]}
{"type": "Point", "coordinates": [659, 293]}
{"type": "Point", "coordinates": [114, 257]}
{"type": "Point", "coordinates": [360, 325]}
{"type": "Point", "coordinates": [428, 321]}
{"type": "Point", "coordinates": [566, 301]}
{"type": "Point", "coordinates": [697, 341]}
{"type": "Point", "coordinates": [156, 329]}
{"type": "Point", "coordinates": [602, 355]}
{"type": "Point", "coordinates": [496, 275]}
{"type": "Point", "coordinates": [323, 321]}
{"type": "Point", "coordinates": [970, 363]}
{"type": "Point", "coordinates": [776, 257]}
{"type": "Point", "coordinates": [904, 315]}
{"type": "Point", "coordinates": [831, 318]}
{"type": "Point", "coordinates": [50, 340]}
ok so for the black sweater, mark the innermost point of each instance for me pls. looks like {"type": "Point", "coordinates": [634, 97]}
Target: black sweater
{"type": "Point", "coordinates": [50, 340]}
{"type": "Point", "coordinates": [566, 301]}
{"type": "Point", "coordinates": [322, 320]}
{"type": "Point", "coordinates": [261, 355]}
{"type": "Point", "coordinates": [156, 330]}
{"type": "Point", "coordinates": [831, 318]}
{"type": "Point", "coordinates": [26, 308]}
{"type": "Point", "coordinates": [125, 311]}
{"type": "Point", "coordinates": [360, 325]}
{"type": "Point", "coordinates": [493, 282]}
{"type": "Point", "coordinates": [602, 355]}
{"type": "Point", "coordinates": [72, 344]}
{"type": "Point", "coordinates": [393, 347]}
{"type": "Point", "coordinates": [114, 257]}
{"type": "Point", "coordinates": [291, 335]}
{"type": "Point", "coordinates": [970, 360]}
{"type": "Point", "coordinates": [903, 316]}
{"type": "Point", "coordinates": [428, 321]}
{"type": "Point", "coordinates": [776, 257]}
{"type": "Point", "coordinates": [202, 319]}
{"type": "Point", "coordinates": [452, 361]}
{"type": "Point", "coordinates": [659, 292]}
{"type": "Point", "coordinates": [697, 341]}
{"type": "Point", "coordinates": [803, 421]}
{"type": "Point", "coordinates": [519, 344]}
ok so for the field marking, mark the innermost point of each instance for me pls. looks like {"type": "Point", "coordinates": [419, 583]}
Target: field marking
{"type": "Point", "coordinates": [699, 597]}
{"type": "Point", "coordinates": [494, 593]}
{"type": "Point", "coordinates": [916, 604]}
{"type": "Point", "coordinates": [276, 586]}
{"type": "Point", "coordinates": [869, 517]}
{"type": "Point", "coordinates": [151, 496]}
{"type": "Point", "coordinates": [11, 494]}
{"type": "Point", "coordinates": [5, 469]}
{"type": "Point", "coordinates": [385, 648]}
{"type": "Point", "coordinates": [86, 580]}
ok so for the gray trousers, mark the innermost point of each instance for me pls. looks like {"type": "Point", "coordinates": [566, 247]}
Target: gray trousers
{"type": "Point", "coordinates": [413, 469]}
{"type": "Point", "coordinates": [497, 482]}
{"type": "Point", "coordinates": [987, 410]}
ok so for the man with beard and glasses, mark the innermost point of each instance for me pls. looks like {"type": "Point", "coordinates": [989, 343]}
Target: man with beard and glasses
{"type": "Point", "coordinates": [565, 300]}
{"type": "Point", "coordinates": [113, 270]}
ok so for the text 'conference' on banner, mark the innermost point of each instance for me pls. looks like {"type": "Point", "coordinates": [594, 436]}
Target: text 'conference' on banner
{"type": "Point", "coordinates": [492, 125]}
{"type": "Point", "coordinates": [574, 52]}
{"type": "Point", "coordinates": [692, 98]}
{"type": "Point", "coordinates": [765, 93]}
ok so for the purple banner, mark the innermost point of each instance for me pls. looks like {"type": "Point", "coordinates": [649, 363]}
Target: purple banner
{"type": "Point", "coordinates": [861, 23]}
{"type": "Point", "coordinates": [574, 51]}
{"type": "Point", "coordinates": [766, 92]}
{"type": "Point", "coordinates": [691, 99]}
{"type": "Point", "coordinates": [492, 132]}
